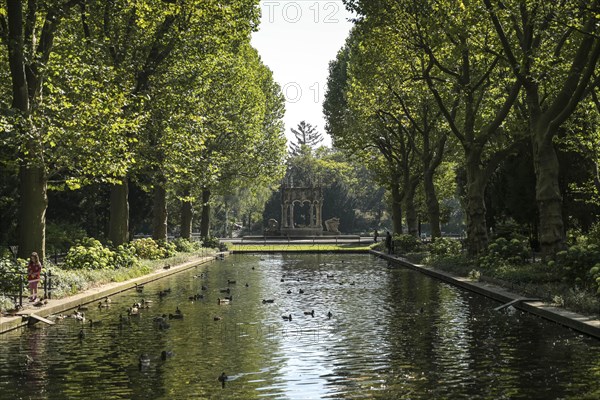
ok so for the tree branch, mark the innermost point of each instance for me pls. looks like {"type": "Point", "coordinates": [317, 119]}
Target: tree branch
{"type": "Point", "coordinates": [438, 98]}
{"type": "Point", "coordinates": [504, 41]}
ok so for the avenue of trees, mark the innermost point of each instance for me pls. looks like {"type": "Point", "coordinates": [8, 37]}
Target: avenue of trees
{"type": "Point", "coordinates": [110, 109]}
{"type": "Point", "coordinates": [504, 95]}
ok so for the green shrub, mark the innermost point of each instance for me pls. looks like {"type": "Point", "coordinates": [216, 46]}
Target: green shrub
{"type": "Point", "coordinates": [577, 265]}
{"type": "Point", "coordinates": [168, 249]}
{"type": "Point", "coordinates": [6, 303]}
{"type": "Point", "coordinates": [125, 256]}
{"type": "Point", "coordinates": [441, 247]}
{"type": "Point", "coordinates": [147, 249]}
{"type": "Point", "coordinates": [406, 243]}
{"type": "Point", "coordinates": [539, 273]}
{"type": "Point", "coordinates": [502, 252]}
{"type": "Point", "coordinates": [456, 264]}
{"type": "Point", "coordinates": [186, 246]}
{"type": "Point", "coordinates": [210, 242]}
{"type": "Point", "coordinates": [10, 275]}
{"type": "Point", "coordinates": [89, 253]}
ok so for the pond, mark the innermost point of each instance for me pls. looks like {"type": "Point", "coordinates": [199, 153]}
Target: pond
{"type": "Point", "coordinates": [377, 332]}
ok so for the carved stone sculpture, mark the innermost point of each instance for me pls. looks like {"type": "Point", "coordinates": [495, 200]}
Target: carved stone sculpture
{"type": "Point", "coordinates": [272, 226]}
{"type": "Point", "coordinates": [332, 225]}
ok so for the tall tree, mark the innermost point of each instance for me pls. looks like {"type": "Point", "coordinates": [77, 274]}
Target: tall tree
{"type": "Point", "coordinates": [553, 51]}
{"type": "Point", "coordinates": [53, 80]}
{"type": "Point", "coordinates": [306, 135]}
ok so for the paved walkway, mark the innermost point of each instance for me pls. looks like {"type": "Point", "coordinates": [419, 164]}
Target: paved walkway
{"type": "Point", "coordinates": [585, 324]}
{"type": "Point", "coordinates": [92, 295]}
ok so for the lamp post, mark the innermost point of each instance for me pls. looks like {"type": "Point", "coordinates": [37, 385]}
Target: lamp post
{"type": "Point", "coordinates": [14, 249]}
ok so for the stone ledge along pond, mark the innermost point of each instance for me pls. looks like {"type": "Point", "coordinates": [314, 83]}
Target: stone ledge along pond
{"type": "Point", "coordinates": [392, 333]}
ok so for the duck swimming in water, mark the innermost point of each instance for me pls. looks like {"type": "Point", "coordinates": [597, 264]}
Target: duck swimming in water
{"type": "Point", "coordinates": [223, 378]}
{"type": "Point", "coordinates": [144, 361]}
{"type": "Point", "coordinates": [287, 317]}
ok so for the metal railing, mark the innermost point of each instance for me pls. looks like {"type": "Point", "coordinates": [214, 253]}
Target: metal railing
{"type": "Point", "coordinates": [15, 285]}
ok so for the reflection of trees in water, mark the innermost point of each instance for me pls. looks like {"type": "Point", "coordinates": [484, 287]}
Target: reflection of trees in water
{"type": "Point", "coordinates": [35, 370]}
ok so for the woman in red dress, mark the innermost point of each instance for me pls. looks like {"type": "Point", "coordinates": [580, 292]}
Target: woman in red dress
{"type": "Point", "coordinates": [34, 269]}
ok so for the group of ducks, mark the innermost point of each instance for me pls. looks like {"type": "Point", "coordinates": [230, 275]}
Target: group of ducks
{"type": "Point", "coordinates": [162, 321]}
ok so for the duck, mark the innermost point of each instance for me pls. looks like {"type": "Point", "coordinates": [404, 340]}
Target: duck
{"type": "Point", "coordinates": [217, 318]}
{"type": "Point", "coordinates": [133, 311]}
{"type": "Point", "coordinates": [139, 288]}
{"type": "Point", "coordinates": [107, 300]}
{"type": "Point", "coordinates": [203, 287]}
{"type": "Point", "coordinates": [247, 285]}
{"type": "Point", "coordinates": [144, 361]}
{"type": "Point", "coordinates": [301, 291]}
{"type": "Point", "coordinates": [81, 334]}
{"type": "Point", "coordinates": [166, 354]}
{"type": "Point", "coordinates": [163, 325]}
{"type": "Point", "coordinates": [230, 282]}
{"type": "Point", "coordinates": [287, 317]}
{"type": "Point", "coordinates": [79, 316]}
{"type": "Point", "coordinates": [265, 301]}
{"type": "Point", "coordinates": [329, 315]}
{"type": "Point", "coordinates": [175, 316]}
{"type": "Point", "coordinates": [94, 323]}
{"type": "Point", "coordinates": [41, 303]}
{"type": "Point", "coordinates": [102, 305]}
{"type": "Point", "coordinates": [177, 310]}
{"type": "Point", "coordinates": [168, 266]}
{"type": "Point", "coordinates": [223, 378]}
{"type": "Point", "coordinates": [162, 294]}
{"type": "Point", "coordinates": [223, 301]}
{"type": "Point", "coordinates": [311, 313]}
{"type": "Point", "coordinates": [147, 302]}
{"type": "Point", "coordinates": [225, 290]}
{"type": "Point", "coordinates": [289, 291]}
{"type": "Point", "coordinates": [82, 308]}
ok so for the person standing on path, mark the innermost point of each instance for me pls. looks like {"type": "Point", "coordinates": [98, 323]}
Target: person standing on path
{"type": "Point", "coordinates": [34, 270]}
{"type": "Point", "coordinates": [388, 242]}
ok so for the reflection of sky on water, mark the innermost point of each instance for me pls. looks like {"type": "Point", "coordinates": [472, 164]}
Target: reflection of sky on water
{"type": "Point", "coordinates": [393, 333]}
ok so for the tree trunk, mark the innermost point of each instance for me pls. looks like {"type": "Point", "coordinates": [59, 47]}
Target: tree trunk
{"type": "Point", "coordinates": [205, 221]}
{"type": "Point", "coordinates": [412, 222]}
{"type": "Point", "coordinates": [396, 208]}
{"type": "Point", "coordinates": [547, 194]}
{"type": "Point", "coordinates": [32, 211]}
{"type": "Point", "coordinates": [187, 216]}
{"type": "Point", "coordinates": [433, 205]}
{"type": "Point", "coordinates": [118, 229]}
{"type": "Point", "coordinates": [477, 237]}
{"type": "Point", "coordinates": [159, 213]}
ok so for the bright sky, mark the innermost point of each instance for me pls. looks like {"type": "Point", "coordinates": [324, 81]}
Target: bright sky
{"type": "Point", "coordinates": [297, 39]}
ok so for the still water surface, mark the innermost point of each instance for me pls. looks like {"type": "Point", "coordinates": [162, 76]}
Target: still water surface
{"type": "Point", "coordinates": [393, 333]}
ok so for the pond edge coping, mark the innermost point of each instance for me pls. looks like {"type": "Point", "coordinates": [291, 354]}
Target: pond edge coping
{"type": "Point", "coordinates": [94, 294]}
{"type": "Point", "coordinates": [569, 319]}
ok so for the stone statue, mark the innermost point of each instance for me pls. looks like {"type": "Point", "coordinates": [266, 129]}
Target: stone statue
{"type": "Point", "coordinates": [332, 225]}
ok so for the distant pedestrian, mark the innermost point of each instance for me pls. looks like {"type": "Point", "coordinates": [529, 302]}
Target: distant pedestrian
{"type": "Point", "coordinates": [375, 235]}
{"type": "Point", "coordinates": [34, 270]}
{"type": "Point", "coordinates": [388, 242]}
